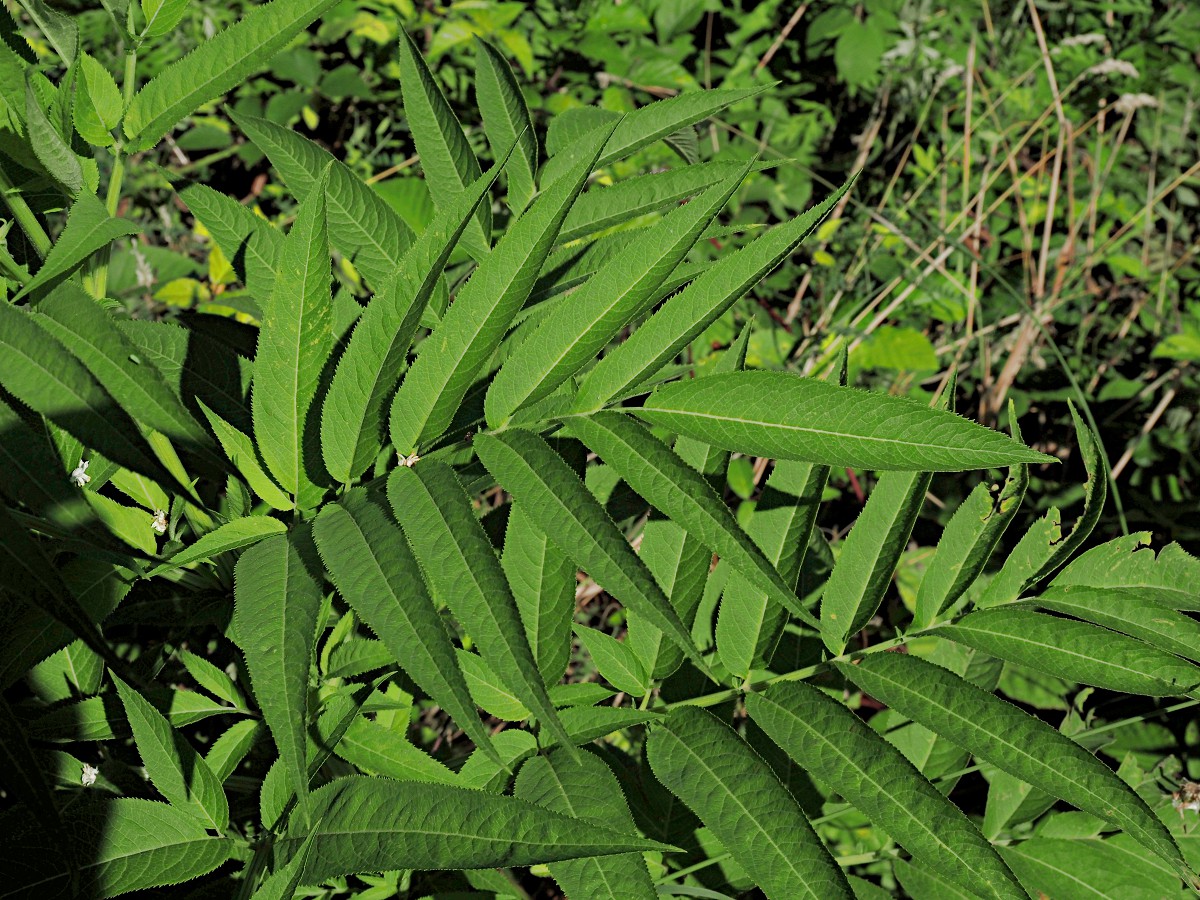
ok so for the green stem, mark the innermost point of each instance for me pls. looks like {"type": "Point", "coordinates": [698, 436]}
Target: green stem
{"type": "Point", "coordinates": [25, 216]}
{"type": "Point", "coordinates": [13, 268]}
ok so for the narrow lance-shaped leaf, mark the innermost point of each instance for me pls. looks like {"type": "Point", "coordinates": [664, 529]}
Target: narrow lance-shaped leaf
{"type": "Point", "coordinates": [447, 159]}
{"type": "Point", "coordinates": [294, 341]}
{"type": "Point", "coordinates": [276, 601]}
{"type": "Point", "coordinates": [55, 154]}
{"type": "Point", "coordinates": [220, 63]}
{"type": "Point", "coordinates": [1076, 651]}
{"type": "Point", "coordinates": [693, 309]}
{"type": "Point", "coordinates": [361, 224]}
{"type": "Point", "coordinates": [835, 745]}
{"type": "Point", "coordinates": [233, 535]}
{"type": "Point", "coordinates": [176, 769]}
{"type": "Point", "coordinates": [669, 484]}
{"type": "Point", "coordinates": [352, 415]}
{"type": "Point", "coordinates": [462, 571]}
{"type": "Point", "coordinates": [587, 791]}
{"type": "Point", "coordinates": [374, 570]}
{"type": "Point", "coordinates": [59, 29]}
{"type": "Point", "coordinates": [1010, 739]}
{"type": "Point", "coordinates": [468, 335]}
{"type": "Point", "coordinates": [89, 228]}
{"type": "Point", "coordinates": [574, 332]}
{"type": "Point", "coordinates": [525, 465]}
{"type": "Point", "coordinates": [506, 121]}
{"type": "Point", "coordinates": [377, 824]}
{"type": "Point", "coordinates": [249, 242]}
{"type": "Point", "coordinates": [702, 761]}
{"type": "Point", "coordinates": [240, 450]}
{"type": "Point", "coordinates": [1123, 610]}
{"type": "Point", "coordinates": [786, 416]}
{"type": "Point", "coordinates": [98, 105]}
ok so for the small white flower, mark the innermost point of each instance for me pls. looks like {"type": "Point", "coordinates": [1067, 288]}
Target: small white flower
{"type": "Point", "coordinates": [1083, 40]}
{"type": "Point", "coordinates": [1128, 103]}
{"type": "Point", "coordinates": [160, 521]}
{"type": "Point", "coordinates": [1114, 67]}
{"type": "Point", "coordinates": [88, 778]}
{"type": "Point", "coordinates": [79, 476]}
{"type": "Point", "coordinates": [411, 460]}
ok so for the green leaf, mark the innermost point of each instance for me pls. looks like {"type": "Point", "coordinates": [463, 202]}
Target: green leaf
{"type": "Point", "coordinates": [447, 159]}
{"type": "Point", "coordinates": [587, 791]}
{"type": "Point", "coordinates": [131, 524]}
{"type": "Point", "coordinates": [249, 242]}
{"type": "Point", "coordinates": [228, 751]}
{"type": "Point", "coordinates": [89, 228]}
{"type": "Point", "coordinates": [1092, 867]}
{"type": "Point", "coordinates": [703, 762]}
{"type": "Point", "coordinates": [60, 30]}
{"type": "Point", "coordinates": [285, 880]}
{"type": "Point", "coordinates": [361, 224]}
{"type": "Point", "coordinates": [98, 104]}
{"type": "Point", "coordinates": [836, 746]}
{"type": "Point", "coordinates": [525, 465]}
{"type": "Point", "coordinates": [162, 16]}
{"type": "Point", "coordinates": [542, 579]}
{"type": "Point", "coordinates": [786, 416]}
{"type": "Point", "coordinates": [376, 824]}
{"type": "Point", "coordinates": [374, 571]}
{"type": "Point", "coordinates": [646, 125]}
{"type": "Point", "coordinates": [216, 681]}
{"type": "Point", "coordinates": [749, 619]}
{"type": "Point", "coordinates": [1010, 739]}
{"type": "Point", "coordinates": [1077, 651]}
{"type": "Point", "coordinates": [54, 153]}
{"type": "Point", "coordinates": [294, 341]}
{"type": "Point", "coordinates": [352, 416]}
{"type": "Point", "coordinates": [240, 450]}
{"type": "Point", "coordinates": [615, 661]}
{"type": "Point", "coordinates": [383, 751]}
{"type": "Point", "coordinates": [672, 486]}
{"type": "Point", "coordinates": [124, 845]}
{"type": "Point", "coordinates": [92, 335]}
{"type": "Point", "coordinates": [467, 337]}
{"type": "Point", "coordinates": [276, 602]}
{"type": "Point", "coordinates": [1170, 578]}
{"type": "Point", "coordinates": [506, 122]}
{"type": "Point", "coordinates": [491, 694]}
{"type": "Point", "coordinates": [232, 535]}
{"type": "Point", "coordinates": [1123, 610]}
{"type": "Point", "coordinates": [173, 766]}
{"type": "Point", "coordinates": [217, 65]}
{"type": "Point", "coordinates": [463, 573]}
{"type": "Point", "coordinates": [42, 374]}
{"type": "Point", "coordinates": [573, 333]}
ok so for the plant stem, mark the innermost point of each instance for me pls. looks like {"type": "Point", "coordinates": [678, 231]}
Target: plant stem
{"type": "Point", "coordinates": [25, 216]}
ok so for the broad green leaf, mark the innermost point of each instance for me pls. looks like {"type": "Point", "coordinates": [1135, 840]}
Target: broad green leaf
{"type": "Point", "coordinates": [377, 824]}
{"type": "Point", "coordinates": [471, 330]}
{"type": "Point", "coordinates": [98, 104]}
{"type": "Point", "coordinates": [1123, 610]}
{"type": "Point", "coordinates": [124, 845]}
{"type": "Point", "coordinates": [1170, 578]}
{"type": "Point", "coordinates": [589, 723]}
{"type": "Point", "coordinates": [249, 242]}
{"type": "Point", "coordinates": [922, 883]}
{"type": "Point", "coordinates": [216, 681]}
{"type": "Point", "coordinates": [89, 228]}
{"type": "Point", "coordinates": [1077, 651]}
{"type": "Point", "coordinates": [361, 224]}
{"type": "Point", "coordinates": [129, 523]}
{"type": "Point", "coordinates": [836, 746]}
{"type": "Point", "coordinates": [1031, 553]}
{"type": "Point", "coordinates": [447, 159]}
{"type": "Point", "coordinates": [481, 772]}
{"type": "Point", "coordinates": [668, 483]}
{"type": "Point", "coordinates": [574, 332]}
{"type": "Point", "coordinates": [59, 29]}
{"type": "Point", "coordinates": [525, 465]}
{"type": "Point", "coordinates": [162, 16]}
{"type": "Point", "coordinates": [601, 208]}
{"type": "Point", "coordinates": [54, 153]}
{"type": "Point", "coordinates": [228, 751]}
{"type": "Point", "coordinates": [173, 766]}
{"type": "Point", "coordinates": [703, 762]}
{"type": "Point", "coordinates": [233, 535]}
{"type": "Point", "coordinates": [276, 602]}
{"type": "Point", "coordinates": [587, 791]}
{"type": "Point", "coordinates": [786, 416]}
{"type": "Point", "coordinates": [1090, 868]}
{"type": "Point", "coordinates": [646, 125]}
{"type": "Point", "coordinates": [1009, 738]}
{"type": "Point", "coordinates": [542, 580]}
{"type": "Point", "coordinates": [374, 571]}
{"type": "Point", "coordinates": [615, 661]}
{"type": "Point", "coordinates": [240, 450]}
{"type": "Point", "coordinates": [871, 551]}
{"type": "Point", "coordinates": [384, 751]}
{"type": "Point", "coordinates": [781, 527]}
{"type": "Point", "coordinates": [506, 122]}
{"type": "Point", "coordinates": [217, 65]}
{"type": "Point", "coordinates": [463, 573]}
{"type": "Point", "coordinates": [23, 455]}
{"type": "Point", "coordinates": [352, 427]}
{"type": "Point", "coordinates": [92, 335]}
{"type": "Point", "coordinates": [490, 692]}
{"type": "Point", "coordinates": [294, 341]}
{"type": "Point", "coordinates": [41, 373]}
